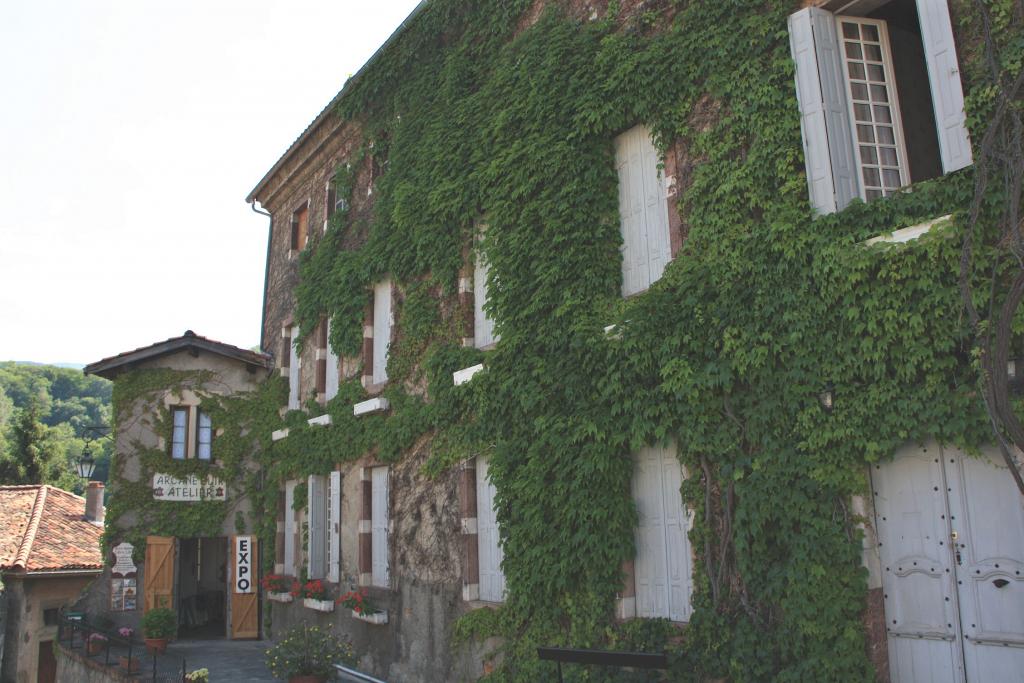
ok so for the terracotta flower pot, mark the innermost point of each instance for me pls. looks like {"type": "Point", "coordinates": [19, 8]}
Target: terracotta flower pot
{"type": "Point", "coordinates": [156, 646]}
{"type": "Point", "coordinates": [94, 647]}
{"type": "Point", "coordinates": [132, 667]}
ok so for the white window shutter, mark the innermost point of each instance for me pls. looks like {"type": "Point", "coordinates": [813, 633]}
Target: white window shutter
{"type": "Point", "coordinates": [677, 542]}
{"type": "Point", "coordinates": [659, 250]}
{"type": "Point", "coordinates": [317, 511]}
{"type": "Point", "coordinates": [381, 330]}
{"type": "Point", "coordinates": [947, 91]}
{"type": "Point", "coordinates": [334, 528]}
{"type": "Point", "coordinates": [294, 399]}
{"type": "Point", "coordinates": [483, 325]}
{"type": "Point", "coordinates": [289, 528]}
{"type": "Point", "coordinates": [650, 565]}
{"type": "Point", "coordinates": [824, 115]}
{"type": "Point", "coordinates": [333, 367]}
{"type": "Point", "coordinates": [379, 526]}
{"type": "Point", "coordinates": [492, 579]}
{"type": "Point", "coordinates": [628, 163]}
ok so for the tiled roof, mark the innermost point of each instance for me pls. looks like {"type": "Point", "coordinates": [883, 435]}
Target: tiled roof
{"type": "Point", "coordinates": [109, 367]}
{"type": "Point", "coordinates": [44, 529]}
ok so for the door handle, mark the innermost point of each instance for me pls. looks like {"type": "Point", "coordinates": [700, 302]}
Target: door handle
{"type": "Point", "coordinates": [999, 583]}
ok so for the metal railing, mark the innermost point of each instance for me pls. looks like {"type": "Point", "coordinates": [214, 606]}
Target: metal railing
{"type": "Point", "coordinates": [634, 660]}
{"type": "Point", "coordinates": [118, 651]}
{"type": "Point", "coordinates": [343, 673]}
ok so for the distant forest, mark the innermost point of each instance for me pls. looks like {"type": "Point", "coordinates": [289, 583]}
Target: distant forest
{"type": "Point", "coordinates": [47, 415]}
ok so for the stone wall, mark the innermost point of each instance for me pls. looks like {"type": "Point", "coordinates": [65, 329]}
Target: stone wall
{"type": "Point", "coordinates": [72, 666]}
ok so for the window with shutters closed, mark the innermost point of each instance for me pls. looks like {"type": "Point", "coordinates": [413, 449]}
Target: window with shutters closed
{"type": "Point", "coordinates": [663, 567]}
{"type": "Point", "coordinates": [316, 561]}
{"type": "Point", "coordinates": [300, 228]}
{"type": "Point", "coordinates": [381, 330]}
{"type": "Point", "coordinates": [490, 555]}
{"type": "Point", "coordinates": [643, 211]}
{"type": "Point", "coordinates": [379, 526]}
{"type": "Point", "coordinates": [881, 103]}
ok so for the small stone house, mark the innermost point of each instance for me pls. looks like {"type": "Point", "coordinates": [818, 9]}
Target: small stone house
{"type": "Point", "coordinates": [180, 530]}
{"type": "Point", "coordinates": [49, 553]}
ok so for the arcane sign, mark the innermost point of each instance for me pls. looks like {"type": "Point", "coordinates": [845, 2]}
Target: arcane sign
{"type": "Point", "coordinates": [243, 565]}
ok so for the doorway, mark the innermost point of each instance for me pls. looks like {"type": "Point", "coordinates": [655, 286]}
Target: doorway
{"type": "Point", "coordinates": [951, 541]}
{"type": "Point", "coordinates": [202, 582]}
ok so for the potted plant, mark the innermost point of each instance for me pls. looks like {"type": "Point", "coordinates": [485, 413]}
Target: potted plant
{"type": "Point", "coordinates": [362, 608]}
{"type": "Point", "coordinates": [198, 676]}
{"type": "Point", "coordinates": [314, 596]}
{"type": "Point", "coordinates": [307, 654]}
{"type": "Point", "coordinates": [276, 586]}
{"type": "Point", "coordinates": [159, 625]}
{"type": "Point", "coordinates": [95, 643]}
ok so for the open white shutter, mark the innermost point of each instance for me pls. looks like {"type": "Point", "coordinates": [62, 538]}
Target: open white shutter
{"type": "Point", "coordinates": [659, 250]}
{"type": "Point", "coordinates": [824, 115]}
{"type": "Point", "coordinates": [294, 367]}
{"type": "Point", "coordinates": [333, 367]}
{"type": "Point", "coordinates": [650, 567]}
{"type": "Point", "coordinates": [379, 525]}
{"type": "Point", "coordinates": [334, 528]}
{"type": "Point", "coordinates": [947, 92]}
{"type": "Point", "coordinates": [289, 528]}
{"type": "Point", "coordinates": [317, 510]}
{"type": "Point", "coordinates": [629, 163]}
{"type": "Point", "coordinates": [483, 325]}
{"type": "Point", "coordinates": [381, 330]}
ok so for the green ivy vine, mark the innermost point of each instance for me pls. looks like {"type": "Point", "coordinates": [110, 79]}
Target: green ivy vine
{"type": "Point", "coordinates": [474, 116]}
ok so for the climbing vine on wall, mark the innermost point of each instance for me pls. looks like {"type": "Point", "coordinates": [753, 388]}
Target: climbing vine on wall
{"type": "Point", "coordinates": [476, 117]}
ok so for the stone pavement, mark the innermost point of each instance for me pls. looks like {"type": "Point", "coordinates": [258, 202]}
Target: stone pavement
{"type": "Point", "coordinates": [229, 661]}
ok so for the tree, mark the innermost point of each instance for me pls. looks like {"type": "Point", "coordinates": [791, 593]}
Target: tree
{"type": "Point", "coordinates": [33, 455]}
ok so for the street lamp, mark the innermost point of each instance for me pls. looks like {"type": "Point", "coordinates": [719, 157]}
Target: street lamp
{"type": "Point", "coordinates": [85, 464]}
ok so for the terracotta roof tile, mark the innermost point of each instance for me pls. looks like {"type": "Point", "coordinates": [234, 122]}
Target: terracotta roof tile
{"type": "Point", "coordinates": [43, 528]}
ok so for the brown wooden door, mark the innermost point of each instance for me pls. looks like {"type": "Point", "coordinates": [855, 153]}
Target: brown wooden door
{"type": "Point", "coordinates": [158, 587]}
{"type": "Point", "coordinates": [47, 669]}
{"type": "Point", "coordinates": [245, 614]}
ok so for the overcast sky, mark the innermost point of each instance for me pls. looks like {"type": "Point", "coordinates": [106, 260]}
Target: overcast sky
{"type": "Point", "coordinates": [131, 132]}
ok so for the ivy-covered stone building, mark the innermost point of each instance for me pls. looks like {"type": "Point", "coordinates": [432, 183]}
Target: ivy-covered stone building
{"type": "Point", "coordinates": [180, 529]}
{"type": "Point", "coordinates": [642, 325]}
{"type": "Point", "coordinates": [639, 325]}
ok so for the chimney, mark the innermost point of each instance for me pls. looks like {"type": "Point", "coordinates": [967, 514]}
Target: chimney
{"type": "Point", "coordinates": [94, 502]}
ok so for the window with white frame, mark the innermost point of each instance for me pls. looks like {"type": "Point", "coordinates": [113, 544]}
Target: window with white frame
{"type": "Point", "coordinates": [490, 555]}
{"type": "Point", "coordinates": [191, 433]}
{"type": "Point", "coordinates": [324, 519]}
{"type": "Point", "coordinates": [643, 211]}
{"type": "Point", "coordinates": [663, 568]}
{"type": "Point", "coordinates": [333, 368]}
{"type": "Point", "coordinates": [316, 560]}
{"type": "Point", "coordinates": [881, 103]}
{"type": "Point", "coordinates": [382, 321]}
{"type": "Point", "coordinates": [483, 324]}
{"type": "Point", "coordinates": [290, 529]}
{"type": "Point", "coordinates": [379, 526]}
{"type": "Point", "coordinates": [294, 368]}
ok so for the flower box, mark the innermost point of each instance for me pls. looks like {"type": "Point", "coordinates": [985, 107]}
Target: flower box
{"type": "Point", "coordinates": [378, 618]}
{"type": "Point", "coordinates": [279, 597]}
{"type": "Point", "coordinates": [319, 605]}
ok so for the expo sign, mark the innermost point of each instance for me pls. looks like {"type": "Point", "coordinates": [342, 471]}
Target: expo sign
{"type": "Point", "coordinates": [243, 564]}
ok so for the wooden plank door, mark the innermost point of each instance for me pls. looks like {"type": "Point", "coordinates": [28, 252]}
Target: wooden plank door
{"type": "Point", "coordinates": [158, 588]}
{"type": "Point", "coordinates": [988, 518]}
{"type": "Point", "coordinates": [245, 616]}
{"type": "Point", "coordinates": [46, 671]}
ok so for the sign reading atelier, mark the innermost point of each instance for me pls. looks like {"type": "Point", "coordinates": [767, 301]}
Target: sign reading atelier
{"type": "Point", "coordinates": [243, 564]}
{"type": "Point", "coordinates": [191, 488]}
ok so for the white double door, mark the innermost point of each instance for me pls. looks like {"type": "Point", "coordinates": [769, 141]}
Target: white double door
{"type": "Point", "coordinates": [951, 543]}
